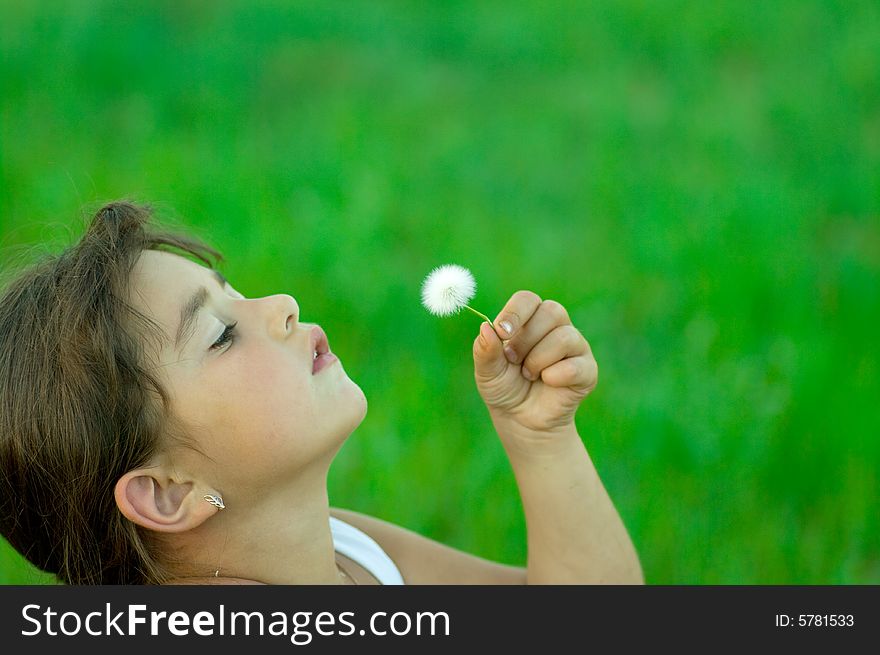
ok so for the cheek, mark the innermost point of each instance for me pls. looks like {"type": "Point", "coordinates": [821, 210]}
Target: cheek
{"type": "Point", "coordinates": [261, 403]}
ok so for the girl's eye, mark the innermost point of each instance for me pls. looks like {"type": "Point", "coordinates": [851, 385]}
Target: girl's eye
{"type": "Point", "coordinates": [227, 336]}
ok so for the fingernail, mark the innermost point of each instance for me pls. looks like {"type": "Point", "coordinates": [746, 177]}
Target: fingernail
{"type": "Point", "coordinates": [511, 356]}
{"type": "Point", "coordinates": [507, 327]}
{"type": "Point", "coordinates": [528, 374]}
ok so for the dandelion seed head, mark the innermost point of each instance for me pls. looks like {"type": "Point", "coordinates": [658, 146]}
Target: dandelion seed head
{"type": "Point", "coordinates": [447, 289]}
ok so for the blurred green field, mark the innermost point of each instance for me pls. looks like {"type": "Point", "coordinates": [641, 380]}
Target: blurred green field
{"type": "Point", "coordinates": [698, 183]}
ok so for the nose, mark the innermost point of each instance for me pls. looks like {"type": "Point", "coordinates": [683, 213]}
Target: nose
{"type": "Point", "coordinates": [289, 311]}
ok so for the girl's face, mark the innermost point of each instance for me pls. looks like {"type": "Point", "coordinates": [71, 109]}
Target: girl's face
{"type": "Point", "coordinates": [247, 395]}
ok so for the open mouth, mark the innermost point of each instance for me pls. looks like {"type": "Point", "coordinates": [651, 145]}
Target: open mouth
{"type": "Point", "coordinates": [321, 355]}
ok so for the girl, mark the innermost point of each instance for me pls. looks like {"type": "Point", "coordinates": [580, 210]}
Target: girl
{"type": "Point", "coordinates": [157, 427]}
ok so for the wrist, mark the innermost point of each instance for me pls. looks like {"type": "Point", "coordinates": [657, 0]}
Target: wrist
{"type": "Point", "coordinates": [521, 441]}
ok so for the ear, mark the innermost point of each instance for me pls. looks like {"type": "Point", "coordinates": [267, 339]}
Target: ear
{"type": "Point", "coordinates": [151, 498]}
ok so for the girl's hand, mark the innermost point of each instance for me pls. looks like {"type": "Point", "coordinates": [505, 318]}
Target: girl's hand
{"type": "Point", "coordinates": [539, 385]}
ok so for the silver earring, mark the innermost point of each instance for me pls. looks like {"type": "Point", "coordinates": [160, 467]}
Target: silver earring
{"type": "Point", "coordinates": [216, 501]}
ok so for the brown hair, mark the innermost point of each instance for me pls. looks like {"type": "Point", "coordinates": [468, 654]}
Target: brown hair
{"type": "Point", "coordinates": [79, 406]}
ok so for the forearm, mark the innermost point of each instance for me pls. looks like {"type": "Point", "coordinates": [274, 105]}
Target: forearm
{"type": "Point", "coordinates": [575, 535]}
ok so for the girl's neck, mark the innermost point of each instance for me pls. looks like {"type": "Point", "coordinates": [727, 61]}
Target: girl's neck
{"type": "Point", "coordinates": [276, 538]}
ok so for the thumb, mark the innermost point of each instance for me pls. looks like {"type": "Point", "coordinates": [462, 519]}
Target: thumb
{"type": "Point", "coordinates": [489, 359]}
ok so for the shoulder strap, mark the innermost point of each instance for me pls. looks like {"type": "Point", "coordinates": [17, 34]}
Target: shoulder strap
{"type": "Point", "coordinates": [359, 546]}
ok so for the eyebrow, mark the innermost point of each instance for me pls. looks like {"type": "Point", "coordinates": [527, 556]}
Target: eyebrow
{"type": "Point", "coordinates": [190, 310]}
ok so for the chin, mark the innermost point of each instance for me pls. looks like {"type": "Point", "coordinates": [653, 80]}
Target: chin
{"type": "Point", "coordinates": [360, 405]}
{"type": "Point", "coordinates": [350, 411]}
{"type": "Point", "coordinates": [356, 398]}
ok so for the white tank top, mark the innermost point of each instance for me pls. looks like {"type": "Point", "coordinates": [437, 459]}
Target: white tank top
{"type": "Point", "coordinates": [360, 547]}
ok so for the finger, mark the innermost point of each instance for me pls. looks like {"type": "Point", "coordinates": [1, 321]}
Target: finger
{"type": "Point", "coordinates": [518, 310]}
{"type": "Point", "coordinates": [489, 360]}
{"type": "Point", "coordinates": [549, 315]}
{"type": "Point", "coordinates": [562, 341]}
{"type": "Point", "coordinates": [580, 373]}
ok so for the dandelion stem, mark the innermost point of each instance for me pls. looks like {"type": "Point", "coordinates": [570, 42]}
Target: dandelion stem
{"type": "Point", "coordinates": [483, 316]}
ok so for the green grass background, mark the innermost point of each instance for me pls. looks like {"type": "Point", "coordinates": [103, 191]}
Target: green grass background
{"type": "Point", "coordinates": [697, 182]}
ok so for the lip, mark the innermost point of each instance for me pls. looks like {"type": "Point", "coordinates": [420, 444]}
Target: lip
{"type": "Point", "coordinates": [318, 342]}
{"type": "Point", "coordinates": [323, 361]}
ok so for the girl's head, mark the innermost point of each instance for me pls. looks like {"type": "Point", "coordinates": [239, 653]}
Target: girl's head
{"type": "Point", "coordinates": [117, 416]}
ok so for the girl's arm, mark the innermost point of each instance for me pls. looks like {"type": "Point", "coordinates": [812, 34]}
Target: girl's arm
{"type": "Point", "coordinates": [533, 368]}
{"type": "Point", "coordinates": [575, 535]}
